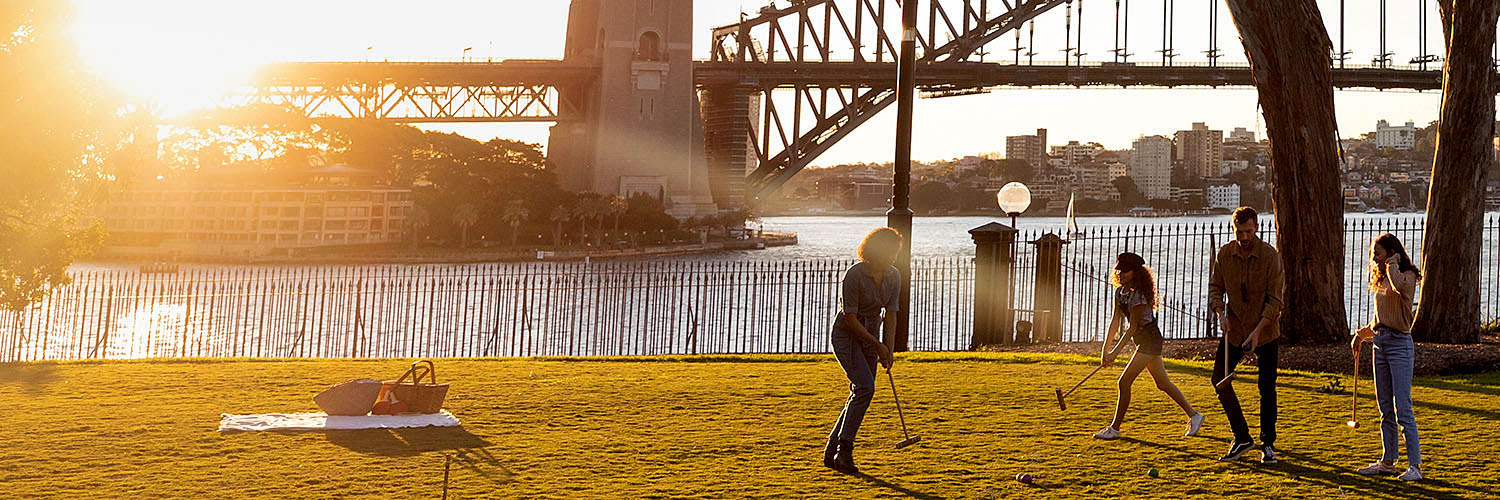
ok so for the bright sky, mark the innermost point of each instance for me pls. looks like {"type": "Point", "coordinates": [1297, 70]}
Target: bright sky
{"type": "Point", "coordinates": [182, 53]}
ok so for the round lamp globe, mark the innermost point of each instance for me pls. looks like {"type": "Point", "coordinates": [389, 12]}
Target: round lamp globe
{"type": "Point", "coordinates": [1014, 198]}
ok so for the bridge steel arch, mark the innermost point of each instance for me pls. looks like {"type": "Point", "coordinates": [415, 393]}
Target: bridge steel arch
{"type": "Point", "coordinates": [853, 31]}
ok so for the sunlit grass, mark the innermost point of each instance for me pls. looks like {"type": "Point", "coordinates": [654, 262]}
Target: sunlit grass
{"type": "Point", "coordinates": [704, 427]}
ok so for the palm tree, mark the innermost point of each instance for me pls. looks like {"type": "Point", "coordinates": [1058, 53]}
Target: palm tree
{"type": "Point", "coordinates": [617, 207]}
{"type": "Point", "coordinates": [559, 215]}
{"type": "Point", "coordinates": [465, 215]}
{"type": "Point", "coordinates": [588, 207]}
{"type": "Point", "coordinates": [419, 221]}
{"type": "Point", "coordinates": [515, 213]}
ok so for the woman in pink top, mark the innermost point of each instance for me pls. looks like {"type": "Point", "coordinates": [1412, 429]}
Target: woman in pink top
{"type": "Point", "coordinates": [1393, 282]}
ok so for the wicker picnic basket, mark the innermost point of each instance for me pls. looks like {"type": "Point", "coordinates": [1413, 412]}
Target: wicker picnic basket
{"type": "Point", "coordinates": [419, 397]}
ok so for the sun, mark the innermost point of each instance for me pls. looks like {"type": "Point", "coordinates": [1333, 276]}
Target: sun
{"type": "Point", "coordinates": [175, 55]}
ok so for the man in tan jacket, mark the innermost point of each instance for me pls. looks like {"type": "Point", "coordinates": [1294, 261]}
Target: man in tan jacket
{"type": "Point", "coordinates": [1247, 271]}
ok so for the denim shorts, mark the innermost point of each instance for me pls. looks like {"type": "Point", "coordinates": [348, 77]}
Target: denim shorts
{"type": "Point", "coordinates": [1148, 339]}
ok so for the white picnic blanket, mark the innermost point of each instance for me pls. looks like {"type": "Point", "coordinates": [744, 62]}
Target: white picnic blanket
{"type": "Point", "coordinates": [323, 422]}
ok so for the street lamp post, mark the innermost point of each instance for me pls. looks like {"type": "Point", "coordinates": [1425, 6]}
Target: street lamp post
{"type": "Point", "coordinates": [900, 215]}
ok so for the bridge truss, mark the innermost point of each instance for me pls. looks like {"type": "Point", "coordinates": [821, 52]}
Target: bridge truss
{"type": "Point", "coordinates": [506, 91]}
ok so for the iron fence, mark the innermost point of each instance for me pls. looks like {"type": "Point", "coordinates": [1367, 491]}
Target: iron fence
{"type": "Point", "coordinates": [618, 308]}
{"type": "Point", "coordinates": [543, 309]}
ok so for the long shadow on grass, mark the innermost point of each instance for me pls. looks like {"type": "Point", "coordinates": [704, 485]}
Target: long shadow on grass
{"type": "Point", "coordinates": [1330, 475]}
{"type": "Point", "coordinates": [875, 481]}
{"type": "Point", "coordinates": [1365, 395]}
{"type": "Point", "coordinates": [33, 377]}
{"type": "Point", "coordinates": [1449, 385]}
{"type": "Point", "coordinates": [468, 451]}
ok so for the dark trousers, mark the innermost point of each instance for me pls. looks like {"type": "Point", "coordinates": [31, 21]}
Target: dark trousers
{"type": "Point", "coordinates": [1265, 361]}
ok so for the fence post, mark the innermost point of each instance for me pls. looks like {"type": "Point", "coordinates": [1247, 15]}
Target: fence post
{"type": "Point", "coordinates": [993, 247]}
{"type": "Point", "coordinates": [1047, 305]}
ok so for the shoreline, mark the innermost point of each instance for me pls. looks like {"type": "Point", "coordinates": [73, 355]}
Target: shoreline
{"type": "Point", "coordinates": [354, 256]}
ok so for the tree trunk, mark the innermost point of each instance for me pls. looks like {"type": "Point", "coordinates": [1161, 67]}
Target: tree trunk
{"type": "Point", "coordinates": [557, 235]}
{"type": "Point", "coordinates": [464, 238]}
{"type": "Point", "coordinates": [1449, 310]}
{"type": "Point", "coordinates": [515, 232]}
{"type": "Point", "coordinates": [1289, 49]}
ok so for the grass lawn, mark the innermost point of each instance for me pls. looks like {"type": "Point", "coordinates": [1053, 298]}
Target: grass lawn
{"type": "Point", "coordinates": [726, 427]}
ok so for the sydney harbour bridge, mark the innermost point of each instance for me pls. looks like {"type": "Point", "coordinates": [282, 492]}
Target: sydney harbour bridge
{"type": "Point", "coordinates": [634, 112]}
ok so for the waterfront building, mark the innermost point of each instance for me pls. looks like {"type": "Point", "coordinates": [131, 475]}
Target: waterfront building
{"type": "Point", "coordinates": [1200, 150]}
{"type": "Point", "coordinates": [1225, 195]}
{"type": "Point", "coordinates": [1399, 137]}
{"type": "Point", "coordinates": [1151, 166]}
{"type": "Point", "coordinates": [1073, 153]}
{"type": "Point", "coordinates": [1030, 148]}
{"type": "Point", "coordinates": [216, 216]}
{"type": "Point", "coordinates": [1240, 135]}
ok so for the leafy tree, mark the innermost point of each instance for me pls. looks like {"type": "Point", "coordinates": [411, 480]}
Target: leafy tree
{"type": "Point", "coordinates": [1011, 170]}
{"type": "Point", "coordinates": [58, 128]}
{"type": "Point", "coordinates": [932, 195]}
{"type": "Point", "coordinates": [1130, 194]}
{"type": "Point", "coordinates": [260, 136]}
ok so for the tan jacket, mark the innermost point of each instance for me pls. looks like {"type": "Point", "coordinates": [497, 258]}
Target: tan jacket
{"type": "Point", "coordinates": [1254, 286]}
{"type": "Point", "coordinates": [1393, 305]}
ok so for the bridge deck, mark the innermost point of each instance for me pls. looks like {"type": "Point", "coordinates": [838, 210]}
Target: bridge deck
{"type": "Point", "coordinates": [830, 74]}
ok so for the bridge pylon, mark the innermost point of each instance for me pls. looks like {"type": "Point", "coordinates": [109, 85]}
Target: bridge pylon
{"type": "Point", "coordinates": [641, 130]}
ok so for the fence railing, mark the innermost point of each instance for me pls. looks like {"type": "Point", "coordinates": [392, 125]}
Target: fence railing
{"type": "Point", "coordinates": [544, 309]}
{"type": "Point", "coordinates": [1180, 255]}
{"type": "Point", "coordinates": [618, 308]}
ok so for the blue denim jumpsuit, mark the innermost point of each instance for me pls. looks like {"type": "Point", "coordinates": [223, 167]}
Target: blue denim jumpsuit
{"type": "Point", "coordinates": [861, 296]}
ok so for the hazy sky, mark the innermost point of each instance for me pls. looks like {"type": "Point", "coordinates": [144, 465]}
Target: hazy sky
{"type": "Point", "coordinates": [184, 52]}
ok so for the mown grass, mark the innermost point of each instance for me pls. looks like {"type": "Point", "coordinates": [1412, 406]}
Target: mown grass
{"type": "Point", "coordinates": [721, 427]}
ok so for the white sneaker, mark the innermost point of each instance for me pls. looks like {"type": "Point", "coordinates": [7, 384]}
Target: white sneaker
{"type": "Point", "coordinates": [1107, 433]}
{"type": "Point", "coordinates": [1195, 423]}
{"type": "Point", "coordinates": [1411, 474]}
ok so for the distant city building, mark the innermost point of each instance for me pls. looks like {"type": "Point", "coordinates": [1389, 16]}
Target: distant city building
{"type": "Point", "coordinates": [328, 206]}
{"type": "Point", "coordinates": [1228, 166]}
{"type": "Point", "coordinates": [1239, 134]}
{"type": "Point", "coordinates": [1186, 195]}
{"type": "Point", "coordinates": [1118, 170]}
{"type": "Point", "coordinates": [1201, 150]}
{"type": "Point", "coordinates": [1095, 181]}
{"type": "Point", "coordinates": [1151, 166]}
{"type": "Point", "coordinates": [1401, 138]}
{"type": "Point", "coordinates": [1052, 185]}
{"type": "Point", "coordinates": [1224, 196]}
{"type": "Point", "coordinates": [970, 163]}
{"type": "Point", "coordinates": [1074, 153]}
{"type": "Point", "coordinates": [856, 192]}
{"type": "Point", "coordinates": [1031, 148]}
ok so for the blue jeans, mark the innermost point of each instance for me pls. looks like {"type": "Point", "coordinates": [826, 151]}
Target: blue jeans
{"type": "Point", "coordinates": [859, 365]}
{"type": "Point", "coordinates": [1393, 357]}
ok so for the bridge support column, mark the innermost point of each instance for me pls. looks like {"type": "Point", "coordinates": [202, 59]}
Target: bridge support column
{"type": "Point", "coordinates": [727, 116]}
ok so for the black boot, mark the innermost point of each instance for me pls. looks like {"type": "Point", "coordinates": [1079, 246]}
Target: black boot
{"type": "Point", "coordinates": [829, 452]}
{"type": "Point", "coordinates": [845, 461]}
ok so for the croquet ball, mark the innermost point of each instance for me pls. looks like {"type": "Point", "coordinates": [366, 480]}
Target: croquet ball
{"type": "Point", "coordinates": [1023, 477]}
{"type": "Point", "coordinates": [1153, 472]}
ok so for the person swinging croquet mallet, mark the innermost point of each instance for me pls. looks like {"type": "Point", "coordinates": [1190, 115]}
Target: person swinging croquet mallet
{"type": "Point", "coordinates": [870, 286]}
{"type": "Point", "coordinates": [1134, 311]}
{"type": "Point", "coordinates": [1248, 272]}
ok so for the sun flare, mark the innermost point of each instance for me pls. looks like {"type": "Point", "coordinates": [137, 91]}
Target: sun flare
{"type": "Point", "coordinates": [164, 53]}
